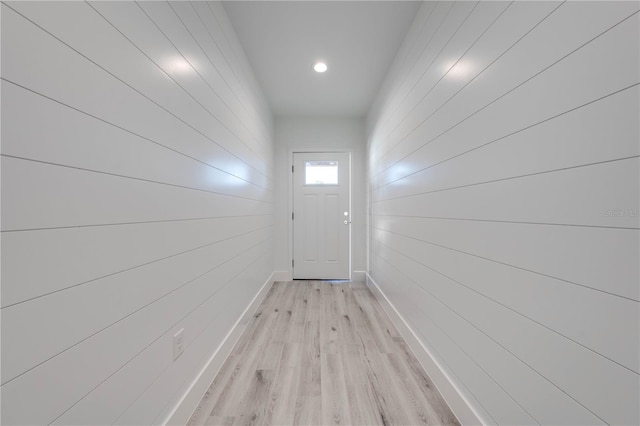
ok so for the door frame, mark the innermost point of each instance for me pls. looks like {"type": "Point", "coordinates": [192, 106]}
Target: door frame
{"type": "Point", "coordinates": [291, 151]}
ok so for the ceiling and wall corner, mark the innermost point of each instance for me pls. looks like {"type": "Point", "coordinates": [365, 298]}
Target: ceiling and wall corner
{"type": "Point", "coordinates": [358, 40]}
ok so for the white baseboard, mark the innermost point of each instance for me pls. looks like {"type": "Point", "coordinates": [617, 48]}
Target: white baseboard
{"type": "Point", "coordinates": [449, 391]}
{"type": "Point", "coordinates": [187, 405]}
{"type": "Point", "coordinates": [358, 276]}
{"type": "Point", "coordinates": [282, 276]}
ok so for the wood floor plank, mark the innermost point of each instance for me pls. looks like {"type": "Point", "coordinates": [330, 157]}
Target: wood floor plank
{"type": "Point", "coordinates": [387, 396]}
{"type": "Point", "coordinates": [363, 410]}
{"type": "Point", "coordinates": [284, 391]}
{"type": "Point", "coordinates": [335, 410]}
{"type": "Point", "coordinates": [220, 421]}
{"type": "Point", "coordinates": [378, 330]}
{"type": "Point", "coordinates": [229, 403]}
{"type": "Point", "coordinates": [435, 401]}
{"type": "Point", "coordinates": [320, 353]}
{"type": "Point", "coordinates": [309, 384]}
{"type": "Point", "coordinates": [214, 393]}
{"type": "Point", "coordinates": [308, 411]}
{"type": "Point", "coordinates": [295, 333]}
{"type": "Point", "coordinates": [256, 399]}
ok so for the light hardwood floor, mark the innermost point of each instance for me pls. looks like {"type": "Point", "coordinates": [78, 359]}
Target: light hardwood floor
{"type": "Point", "coordinates": [321, 353]}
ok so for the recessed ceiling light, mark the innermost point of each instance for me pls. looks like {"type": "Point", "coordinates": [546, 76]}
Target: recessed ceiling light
{"type": "Point", "coordinates": [320, 67]}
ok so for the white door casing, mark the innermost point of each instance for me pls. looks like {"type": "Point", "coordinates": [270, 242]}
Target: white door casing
{"type": "Point", "coordinates": [321, 215]}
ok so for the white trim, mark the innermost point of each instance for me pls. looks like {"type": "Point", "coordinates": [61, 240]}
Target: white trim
{"type": "Point", "coordinates": [359, 276]}
{"type": "Point", "coordinates": [289, 212]}
{"type": "Point", "coordinates": [186, 406]}
{"type": "Point", "coordinates": [460, 406]}
{"type": "Point", "coordinates": [282, 276]}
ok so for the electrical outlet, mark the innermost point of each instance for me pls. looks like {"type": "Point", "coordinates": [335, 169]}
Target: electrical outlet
{"type": "Point", "coordinates": [178, 344]}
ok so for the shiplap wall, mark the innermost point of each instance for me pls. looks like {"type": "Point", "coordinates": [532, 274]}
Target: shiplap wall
{"type": "Point", "coordinates": [503, 174]}
{"type": "Point", "coordinates": [136, 201]}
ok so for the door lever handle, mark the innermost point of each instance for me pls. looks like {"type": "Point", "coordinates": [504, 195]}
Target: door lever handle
{"type": "Point", "coordinates": [346, 222]}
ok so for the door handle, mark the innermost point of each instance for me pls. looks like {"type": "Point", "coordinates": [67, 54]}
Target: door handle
{"type": "Point", "coordinates": [346, 222]}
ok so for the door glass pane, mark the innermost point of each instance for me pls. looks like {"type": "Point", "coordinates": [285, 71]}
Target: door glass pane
{"type": "Point", "coordinates": [321, 172]}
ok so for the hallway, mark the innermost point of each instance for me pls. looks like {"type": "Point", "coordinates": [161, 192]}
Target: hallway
{"type": "Point", "coordinates": [488, 159]}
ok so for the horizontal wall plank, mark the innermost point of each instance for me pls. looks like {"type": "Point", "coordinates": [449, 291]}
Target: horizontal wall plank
{"type": "Point", "coordinates": [156, 374]}
{"type": "Point", "coordinates": [408, 54]}
{"type": "Point", "coordinates": [96, 145]}
{"type": "Point", "coordinates": [447, 19]}
{"type": "Point", "coordinates": [492, 400]}
{"type": "Point", "coordinates": [96, 359]}
{"type": "Point", "coordinates": [198, 30]}
{"type": "Point", "coordinates": [52, 324]}
{"type": "Point", "coordinates": [607, 331]}
{"type": "Point", "coordinates": [97, 198]}
{"type": "Point", "coordinates": [577, 138]}
{"type": "Point", "coordinates": [164, 16]}
{"type": "Point", "coordinates": [545, 401]}
{"type": "Point", "coordinates": [97, 252]}
{"type": "Point", "coordinates": [207, 111]}
{"type": "Point", "coordinates": [112, 39]}
{"type": "Point", "coordinates": [517, 68]}
{"type": "Point", "coordinates": [49, 67]}
{"type": "Point", "coordinates": [566, 253]}
{"type": "Point", "coordinates": [570, 192]}
{"type": "Point", "coordinates": [434, 83]}
{"type": "Point", "coordinates": [504, 117]}
{"type": "Point", "coordinates": [173, 381]}
{"type": "Point", "coordinates": [524, 339]}
{"type": "Point", "coordinates": [240, 76]}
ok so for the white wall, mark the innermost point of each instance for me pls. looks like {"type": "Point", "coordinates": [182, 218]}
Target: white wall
{"type": "Point", "coordinates": [137, 199]}
{"type": "Point", "coordinates": [503, 156]}
{"type": "Point", "coordinates": [300, 134]}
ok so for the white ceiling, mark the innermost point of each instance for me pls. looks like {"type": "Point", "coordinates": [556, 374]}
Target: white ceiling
{"type": "Point", "coordinates": [357, 39]}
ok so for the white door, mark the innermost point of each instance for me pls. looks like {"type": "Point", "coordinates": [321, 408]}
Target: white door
{"type": "Point", "coordinates": [321, 215]}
